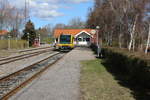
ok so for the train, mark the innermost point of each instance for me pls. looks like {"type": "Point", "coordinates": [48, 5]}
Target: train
{"type": "Point", "coordinates": [64, 42]}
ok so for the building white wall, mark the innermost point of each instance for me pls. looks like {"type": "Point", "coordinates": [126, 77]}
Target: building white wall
{"type": "Point", "coordinates": [81, 39]}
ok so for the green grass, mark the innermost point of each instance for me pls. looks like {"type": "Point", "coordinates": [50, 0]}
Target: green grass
{"type": "Point", "coordinates": [97, 83]}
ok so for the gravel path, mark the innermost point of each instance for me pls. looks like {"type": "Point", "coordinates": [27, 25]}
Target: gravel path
{"type": "Point", "coordinates": [60, 82]}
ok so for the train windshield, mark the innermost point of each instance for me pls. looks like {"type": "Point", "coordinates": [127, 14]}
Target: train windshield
{"type": "Point", "coordinates": [65, 39]}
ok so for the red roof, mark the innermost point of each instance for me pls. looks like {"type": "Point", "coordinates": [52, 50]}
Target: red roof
{"type": "Point", "coordinates": [73, 32]}
{"type": "Point", "coordinates": [3, 32]}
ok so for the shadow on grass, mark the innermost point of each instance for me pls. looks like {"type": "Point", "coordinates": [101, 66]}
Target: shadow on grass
{"type": "Point", "coordinates": [138, 92]}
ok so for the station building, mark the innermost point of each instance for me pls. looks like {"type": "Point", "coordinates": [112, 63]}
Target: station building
{"type": "Point", "coordinates": [82, 37]}
{"type": "Point", "coordinates": [3, 34]}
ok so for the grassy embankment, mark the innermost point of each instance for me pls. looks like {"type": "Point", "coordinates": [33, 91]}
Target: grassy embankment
{"type": "Point", "coordinates": [99, 84]}
{"type": "Point", "coordinates": [14, 44]}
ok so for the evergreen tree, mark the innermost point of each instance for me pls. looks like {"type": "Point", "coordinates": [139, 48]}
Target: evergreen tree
{"type": "Point", "coordinates": [29, 29]}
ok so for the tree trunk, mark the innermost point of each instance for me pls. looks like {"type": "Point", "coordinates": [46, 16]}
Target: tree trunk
{"type": "Point", "coordinates": [133, 44]}
{"type": "Point", "coordinates": [120, 41]}
{"type": "Point", "coordinates": [132, 34]}
{"type": "Point", "coordinates": [148, 41]}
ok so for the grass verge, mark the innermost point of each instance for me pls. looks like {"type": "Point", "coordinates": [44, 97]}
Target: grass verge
{"type": "Point", "coordinates": [97, 83]}
{"type": "Point", "coordinates": [14, 44]}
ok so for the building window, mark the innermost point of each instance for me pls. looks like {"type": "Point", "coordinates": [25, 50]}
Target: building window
{"type": "Point", "coordinates": [88, 39]}
{"type": "Point", "coordinates": [79, 39]}
{"type": "Point", "coordinates": [84, 39]}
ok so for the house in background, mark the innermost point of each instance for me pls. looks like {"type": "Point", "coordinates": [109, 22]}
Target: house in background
{"type": "Point", "coordinates": [3, 34]}
{"type": "Point", "coordinates": [82, 37]}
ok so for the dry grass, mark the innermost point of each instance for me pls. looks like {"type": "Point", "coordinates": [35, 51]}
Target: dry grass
{"type": "Point", "coordinates": [98, 84]}
{"type": "Point", "coordinates": [14, 44]}
{"type": "Point", "coordinates": [4, 53]}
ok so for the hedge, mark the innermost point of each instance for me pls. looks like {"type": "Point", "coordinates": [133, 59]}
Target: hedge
{"type": "Point", "coordinates": [135, 66]}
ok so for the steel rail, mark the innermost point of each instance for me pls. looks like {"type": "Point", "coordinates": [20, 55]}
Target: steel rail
{"type": "Point", "coordinates": [28, 80]}
{"type": "Point", "coordinates": [20, 57]}
{"type": "Point", "coordinates": [33, 49]}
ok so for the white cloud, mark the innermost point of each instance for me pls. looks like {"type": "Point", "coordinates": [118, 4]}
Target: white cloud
{"type": "Point", "coordinates": [44, 9]}
{"type": "Point", "coordinates": [64, 1]}
{"type": "Point", "coordinates": [40, 9]}
{"type": "Point", "coordinates": [46, 14]}
{"type": "Point", "coordinates": [79, 1]}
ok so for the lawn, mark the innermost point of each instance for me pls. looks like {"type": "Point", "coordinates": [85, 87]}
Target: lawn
{"type": "Point", "coordinates": [97, 83]}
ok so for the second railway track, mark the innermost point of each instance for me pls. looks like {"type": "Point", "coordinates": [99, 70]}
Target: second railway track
{"type": "Point", "coordinates": [23, 56]}
{"type": "Point", "coordinates": [12, 83]}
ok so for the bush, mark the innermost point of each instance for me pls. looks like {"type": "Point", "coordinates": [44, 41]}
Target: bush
{"type": "Point", "coordinates": [94, 48]}
{"type": "Point", "coordinates": [134, 65]}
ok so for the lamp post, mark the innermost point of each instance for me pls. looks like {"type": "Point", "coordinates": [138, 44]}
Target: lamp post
{"type": "Point", "coordinates": [97, 38]}
{"type": "Point", "coordinates": [39, 39]}
{"type": "Point", "coordinates": [9, 41]}
{"type": "Point", "coordinates": [28, 39]}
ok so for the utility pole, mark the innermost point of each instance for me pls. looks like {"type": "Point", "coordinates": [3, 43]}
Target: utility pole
{"type": "Point", "coordinates": [97, 38]}
{"type": "Point", "coordinates": [9, 41]}
{"type": "Point", "coordinates": [26, 12]}
{"type": "Point", "coordinates": [39, 39]}
{"type": "Point", "coordinates": [28, 41]}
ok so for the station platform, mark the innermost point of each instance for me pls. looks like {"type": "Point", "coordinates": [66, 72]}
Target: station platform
{"type": "Point", "coordinates": [60, 81]}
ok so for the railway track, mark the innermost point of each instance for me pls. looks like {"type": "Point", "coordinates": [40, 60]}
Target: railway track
{"type": "Point", "coordinates": [34, 49]}
{"type": "Point", "coordinates": [23, 56]}
{"type": "Point", "coordinates": [26, 51]}
{"type": "Point", "coordinates": [12, 83]}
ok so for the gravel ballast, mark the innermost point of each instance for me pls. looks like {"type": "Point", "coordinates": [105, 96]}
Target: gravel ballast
{"type": "Point", "coordinates": [60, 81]}
{"type": "Point", "coordinates": [12, 67]}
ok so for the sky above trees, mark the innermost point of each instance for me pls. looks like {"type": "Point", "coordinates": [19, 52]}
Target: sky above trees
{"type": "Point", "coordinates": [43, 12]}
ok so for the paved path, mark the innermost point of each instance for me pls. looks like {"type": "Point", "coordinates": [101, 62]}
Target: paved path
{"type": "Point", "coordinates": [60, 82]}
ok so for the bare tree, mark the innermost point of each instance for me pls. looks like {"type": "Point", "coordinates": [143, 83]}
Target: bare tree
{"type": "Point", "coordinates": [132, 38]}
{"type": "Point", "coordinates": [148, 41]}
{"type": "Point", "coordinates": [60, 26]}
{"type": "Point", "coordinates": [11, 18]}
{"type": "Point", "coordinates": [121, 21]}
{"type": "Point", "coordinates": [76, 23]}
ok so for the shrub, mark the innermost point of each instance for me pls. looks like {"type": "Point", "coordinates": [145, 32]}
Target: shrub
{"type": "Point", "coordinates": [134, 65]}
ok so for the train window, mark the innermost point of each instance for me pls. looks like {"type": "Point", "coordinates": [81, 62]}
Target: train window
{"type": "Point", "coordinates": [65, 39]}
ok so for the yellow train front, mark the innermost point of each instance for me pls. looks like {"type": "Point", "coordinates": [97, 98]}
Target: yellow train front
{"type": "Point", "coordinates": [65, 42]}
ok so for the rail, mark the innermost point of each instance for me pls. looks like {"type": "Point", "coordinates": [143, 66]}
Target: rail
{"type": "Point", "coordinates": [11, 84]}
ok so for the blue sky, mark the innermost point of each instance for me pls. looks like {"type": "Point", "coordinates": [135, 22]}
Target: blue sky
{"type": "Point", "coordinates": [44, 12]}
